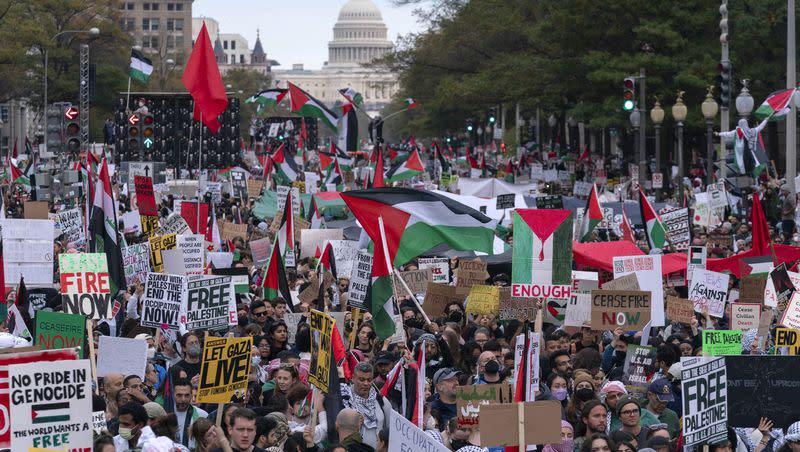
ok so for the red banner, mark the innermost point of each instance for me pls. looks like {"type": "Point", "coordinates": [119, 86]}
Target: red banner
{"type": "Point", "coordinates": [145, 199]}
{"type": "Point", "coordinates": [189, 213]}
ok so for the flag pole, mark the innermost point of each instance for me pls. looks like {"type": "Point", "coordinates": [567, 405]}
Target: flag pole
{"type": "Point", "coordinates": [199, 164]}
{"type": "Point", "coordinates": [189, 148]}
{"type": "Point", "coordinates": [128, 98]}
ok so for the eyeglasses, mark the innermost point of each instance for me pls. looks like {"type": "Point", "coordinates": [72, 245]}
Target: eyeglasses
{"type": "Point", "coordinates": [660, 426]}
{"type": "Point", "coordinates": [260, 314]}
{"type": "Point", "coordinates": [628, 412]}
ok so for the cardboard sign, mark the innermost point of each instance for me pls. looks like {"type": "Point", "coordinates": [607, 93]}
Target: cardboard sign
{"type": "Point", "coordinates": [162, 300]}
{"type": "Point", "coordinates": [121, 355]}
{"type": "Point", "coordinates": [648, 273]}
{"type": "Point", "coordinates": [51, 405]}
{"type": "Point", "coordinates": [260, 249]}
{"type": "Point", "coordinates": [791, 316]}
{"type": "Point", "coordinates": [310, 239]}
{"type": "Point", "coordinates": [787, 341]}
{"type": "Point", "coordinates": [704, 387]}
{"type": "Point", "coordinates": [136, 259]}
{"type": "Point", "coordinates": [254, 188]}
{"type": "Point", "coordinates": [157, 244]}
{"type": "Point", "coordinates": [627, 282]}
{"type": "Point", "coordinates": [231, 231]}
{"type": "Point", "coordinates": [617, 308]}
{"type": "Point", "coordinates": [541, 423]}
{"type": "Point", "coordinates": [469, 400]}
{"type": "Point", "coordinates": [55, 330]}
{"type": "Point", "coordinates": [722, 342]}
{"type": "Point", "coordinates": [439, 266]}
{"type": "Point", "coordinates": [505, 201]}
{"type": "Point", "coordinates": [437, 297]}
{"type": "Point", "coordinates": [639, 370]}
{"type": "Point", "coordinates": [678, 228]}
{"type": "Point", "coordinates": [321, 350]}
{"type": "Point", "coordinates": [752, 289]}
{"type": "Point", "coordinates": [744, 316]}
{"type": "Point", "coordinates": [85, 285]}
{"type": "Point", "coordinates": [417, 280]}
{"type": "Point", "coordinates": [359, 281]}
{"type": "Point", "coordinates": [402, 434]}
{"type": "Point", "coordinates": [71, 222]}
{"type": "Point", "coordinates": [542, 255]}
{"type": "Point", "coordinates": [225, 369]}
{"type": "Point", "coordinates": [145, 198]}
{"type": "Point", "coordinates": [468, 274]}
{"type": "Point", "coordinates": [189, 212]}
{"type": "Point", "coordinates": [174, 224]}
{"type": "Point", "coordinates": [99, 423]}
{"type": "Point", "coordinates": [709, 290]}
{"type": "Point", "coordinates": [680, 310]}
{"type": "Point", "coordinates": [517, 308]}
{"type": "Point", "coordinates": [210, 303]}
{"type": "Point", "coordinates": [28, 251]}
{"type": "Point", "coordinates": [483, 300]}
{"type": "Point", "coordinates": [191, 248]}
{"type": "Point", "coordinates": [36, 210]}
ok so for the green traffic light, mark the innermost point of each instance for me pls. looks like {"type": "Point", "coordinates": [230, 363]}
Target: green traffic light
{"type": "Point", "coordinates": [469, 128]}
{"type": "Point", "coordinates": [491, 119]}
{"type": "Point", "coordinates": [627, 105]}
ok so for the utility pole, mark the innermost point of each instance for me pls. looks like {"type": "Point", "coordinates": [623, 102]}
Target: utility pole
{"type": "Point", "coordinates": [642, 130]}
{"type": "Point", "coordinates": [724, 111]}
{"type": "Point", "coordinates": [791, 82]}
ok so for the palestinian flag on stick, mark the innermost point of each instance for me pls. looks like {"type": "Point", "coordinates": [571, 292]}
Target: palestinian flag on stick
{"type": "Point", "coordinates": [776, 105]}
{"type": "Point", "coordinates": [16, 175]}
{"type": "Point", "coordinates": [627, 230]}
{"type": "Point", "coordinates": [353, 96]}
{"type": "Point", "coordinates": [591, 217]}
{"type": "Point", "coordinates": [410, 103]}
{"type": "Point", "coordinates": [141, 66]}
{"type": "Point", "coordinates": [268, 97]}
{"type": "Point", "coordinates": [377, 177]}
{"type": "Point", "coordinates": [103, 235]}
{"type": "Point", "coordinates": [654, 228]}
{"type": "Point", "coordinates": [286, 233]}
{"type": "Point", "coordinates": [348, 129]}
{"type": "Point", "coordinates": [303, 104]}
{"type": "Point", "coordinates": [283, 166]}
{"type": "Point", "coordinates": [407, 169]}
{"type": "Point", "coordinates": [274, 283]}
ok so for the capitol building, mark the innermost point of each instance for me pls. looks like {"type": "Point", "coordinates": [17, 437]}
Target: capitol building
{"type": "Point", "coordinates": [359, 36]}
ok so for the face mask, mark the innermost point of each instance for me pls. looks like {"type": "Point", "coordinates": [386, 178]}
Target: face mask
{"type": "Point", "coordinates": [194, 351]}
{"type": "Point", "coordinates": [411, 323]}
{"type": "Point", "coordinates": [455, 316]}
{"type": "Point", "coordinates": [243, 321]}
{"type": "Point", "coordinates": [584, 394]}
{"type": "Point", "coordinates": [457, 444]}
{"type": "Point", "coordinates": [492, 367]}
{"type": "Point", "coordinates": [255, 361]}
{"type": "Point", "coordinates": [151, 352]}
{"type": "Point", "coordinates": [126, 433]}
{"type": "Point", "coordinates": [560, 394]}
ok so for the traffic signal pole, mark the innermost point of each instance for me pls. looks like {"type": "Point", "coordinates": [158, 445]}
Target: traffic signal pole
{"type": "Point", "coordinates": [791, 82]}
{"type": "Point", "coordinates": [724, 111]}
{"type": "Point", "coordinates": [642, 129]}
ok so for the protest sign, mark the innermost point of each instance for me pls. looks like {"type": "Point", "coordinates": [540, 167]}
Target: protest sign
{"type": "Point", "coordinates": [717, 196]}
{"type": "Point", "coordinates": [162, 300]}
{"type": "Point", "coordinates": [709, 290]}
{"type": "Point", "coordinates": [678, 229]}
{"type": "Point", "coordinates": [197, 221]}
{"type": "Point", "coordinates": [404, 436]}
{"type": "Point", "coordinates": [469, 400]}
{"type": "Point", "coordinates": [149, 225]}
{"type": "Point", "coordinates": [311, 239]}
{"type": "Point", "coordinates": [28, 251]}
{"type": "Point", "coordinates": [99, 421]}
{"type": "Point", "coordinates": [695, 258]}
{"type": "Point", "coordinates": [761, 386]}
{"type": "Point", "coordinates": [191, 248]}
{"type": "Point", "coordinates": [541, 423]}
{"type": "Point", "coordinates": [238, 184]}
{"type": "Point", "coordinates": [505, 201]}
{"type": "Point", "coordinates": [292, 320]}
{"type": "Point", "coordinates": [470, 273]}
{"type": "Point", "coordinates": [483, 300]}
{"type": "Point", "coordinates": [437, 297]}
{"type": "Point", "coordinates": [321, 349]}
{"type": "Point", "coordinates": [211, 303]}
{"type": "Point", "coordinates": [71, 222]}
{"type": "Point", "coordinates": [549, 201]}
{"type": "Point", "coordinates": [51, 405]}
{"type": "Point", "coordinates": [648, 274]}
{"type": "Point", "coordinates": [752, 289]}
{"type": "Point", "coordinates": [579, 307]}
{"type": "Point", "coordinates": [359, 281]}
{"type": "Point", "coordinates": [231, 231]}
{"type": "Point", "coordinates": [639, 370]}
{"type": "Point", "coordinates": [517, 309]}
{"type": "Point", "coordinates": [791, 316]}
{"type": "Point", "coordinates": [157, 244]}
{"type": "Point", "coordinates": [542, 255]}
{"type": "Point", "coordinates": [35, 210]}
{"type": "Point", "coordinates": [779, 287]}
{"type": "Point", "coordinates": [56, 330]}
{"type": "Point", "coordinates": [722, 342]}
{"type": "Point", "coordinates": [619, 308]}
{"type": "Point", "coordinates": [705, 400]}
{"type": "Point", "coordinates": [345, 253]}
{"type": "Point", "coordinates": [260, 250]}
{"type": "Point", "coordinates": [532, 363]}
{"type": "Point", "coordinates": [136, 260]}
{"type": "Point", "coordinates": [225, 369]}
{"type": "Point", "coordinates": [440, 268]}
{"type": "Point", "coordinates": [121, 355]}
{"type": "Point", "coordinates": [215, 189]}
{"type": "Point", "coordinates": [744, 316]}
{"type": "Point", "coordinates": [254, 188]}
{"type": "Point", "coordinates": [417, 280]}
{"type": "Point", "coordinates": [145, 198]}
{"type": "Point", "coordinates": [220, 259]}
{"type": "Point", "coordinates": [174, 224]}
{"type": "Point", "coordinates": [787, 341]}
{"type": "Point", "coordinates": [85, 285]}
{"type": "Point", "coordinates": [173, 262]}
{"type": "Point", "coordinates": [680, 310]}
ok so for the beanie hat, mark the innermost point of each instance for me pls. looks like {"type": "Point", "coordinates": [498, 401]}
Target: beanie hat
{"type": "Point", "coordinates": [582, 377]}
{"type": "Point", "coordinates": [627, 400]}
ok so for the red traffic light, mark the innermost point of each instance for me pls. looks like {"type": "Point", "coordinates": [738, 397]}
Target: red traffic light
{"type": "Point", "coordinates": [133, 119]}
{"type": "Point", "coordinates": [71, 113]}
{"type": "Point", "coordinates": [73, 128]}
{"type": "Point", "coordinates": [628, 84]}
{"type": "Point", "coordinates": [148, 119]}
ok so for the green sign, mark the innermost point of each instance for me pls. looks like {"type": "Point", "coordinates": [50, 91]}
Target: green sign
{"type": "Point", "coordinates": [722, 342]}
{"type": "Point", "coordinates": [56, 330]}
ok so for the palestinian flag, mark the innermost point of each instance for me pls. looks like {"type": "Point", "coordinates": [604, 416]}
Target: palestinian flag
{"type": "Point", "coordinates": [348, 129]}
{"type": "Point", "coordinates": [353, 96]}
{"type": "Point", "coordinates": [345, 161]}
{"type": "Point", "coordinates": [20, 319]}
{"type": "Point", "coordinates": [415, 221]}
{"type": "Point", "coordinates": [591, 217]}
{"type": "Point", "coordinates": [17, 177]}
{"type": "Point", "coordinates": [329, 200]}
{"type": "Point", "coordinates": [419, 395]}
{"type": "Point", "coordinates": [326, 160]}
{"type": "Point", "coordinates": [48, 413]}
{"type": "Point", "coordinates": [377, 178]}
{"type": "Point", "coordinates": [268, 97]}
{"type": "Point", "coordinates": [627, 230]}
{"type": "Point", "coordinates": [286, 233]}
{"type": "Point", "coordinates": [103, 234]}
{"type": "Point", "coordinates": [314, 217]}
{"type": "Point", "coordinates": [410, 103]}
{"type": "Point", "coordinates": [654, 228]}
{"type": "Point", "coordinates": [407, 169]}
{"type": "Point", "coordinates": [283, 166]}
{"type": "Point", "coordinates": [777, 105]}
{"type": "Point", "coordinates": [141, 66]}
{"type": "Point", "coordinates": [334, 173]}
{"type": "Point", "coordinates": [28, 147]}
{"type": "Point", "coordinates": [333, 401]}
{"type": "Point", "coordinates": [303, 104]}
{"type": "Point", "coordinates": [212, 235]}
{"type": "Point", "coordinates": [274, 283]}
{"type": "Point", "coordinates": [326, 265]}
{"type": "Point", "coordinates": [542, 252]}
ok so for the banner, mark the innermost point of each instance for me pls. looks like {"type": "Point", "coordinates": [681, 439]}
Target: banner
{"type": "Point", "coordinates": [787, 341]}
{"type": "Point", "coordinates": [440, 268]}
{"type": "Point", "coordinates": [71, 222]}
{"type": "Point", "coordinates": [469, 400]}
{"type": "Point", "coordinates": [225, 369]}
{"type": "Point", "coordinates": [55, 330]}
{"type": "Point", "coordinates": [648, 273]}
{"type": "Point", "coordinates": [709, 290]}
{"type": "Point", "coordinates": [483, 300]}
{"type": "Point", "coordinates": [51, 405]}
{"type": "Point", "coordinates": [321, 350]}
{"type": "Point", "coordinates": [640, 368]}
{"type": "Point", "coordinates": [210, 304]}
{"type": "Point", "coordinates": [617, 308]}
{"type": "Point", "coordinates": [359, 281]}
{"type": "Point", "coordinates": [157, 244]}
{"type": "Point", "coordinates": [191, 248]}
{"type": "Point", "coordinates": [722, 342]}
{"type": "Point", "coordinates": [542, 254]}
{"type": "Point", "coordinates": [136, 259]}
{"type": "Point", "coordinates": [162, 300]}
{"type": "Point", "coordinates": [704, 388]}
{"type": "Point", "coordinates": [744, 316]}
{"type": "Point", "coordinates": [85, 288]}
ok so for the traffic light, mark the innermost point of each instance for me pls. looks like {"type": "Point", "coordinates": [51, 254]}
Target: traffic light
{"type": "Point", "coordinates": [492, 115]}
{"type": "Point", "coordinates": [725, 74]}
{"type": "Point", "coordinates": [55, 119]}
{"type": "Point", "coordinates": [73, 129]}
{"type": "Point", "coordinates": [134, 132]}
{"type": "Point", "coordinates": [148, 131]}
{"type": "Point", "coordinates": [628, 94]}
{"type": "Point", "coordinates": [470, 125]}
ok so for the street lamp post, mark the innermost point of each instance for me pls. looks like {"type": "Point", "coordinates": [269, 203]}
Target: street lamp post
{"type": "Point", "coordinates": [679, 112]}
{"type": "Point", "coordinates": [709, 108]}
{"type": "Point", "coordinates": [657, 116]}
{"type": "Point", "coordinates": [636, 121]}
{"type": "Point", "coordinates": [744, 101]}
{"type": "Point", "coordinates": [94, 31]}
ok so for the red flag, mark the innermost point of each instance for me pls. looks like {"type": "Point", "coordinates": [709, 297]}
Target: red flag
{"type": "Point", "coordinates": [762, 243]}
{"type": "Point", "coordinates": [201, 77]}
{"type": "Point", "coordinates": [377, 179]}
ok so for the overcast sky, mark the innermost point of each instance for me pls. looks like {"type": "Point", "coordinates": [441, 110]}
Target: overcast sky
{"type": "Point", "coordinates": [294, 31]}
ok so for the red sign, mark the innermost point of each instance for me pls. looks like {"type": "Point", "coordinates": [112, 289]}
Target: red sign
{"type": "Point", "coordinates": [189, 213]}
{"type": "Point", "coordinates": [133, 120]}
{"type": "Point", "coordinates": [145, 199]}
{"type": "Point", "coordinates": [71, 113]}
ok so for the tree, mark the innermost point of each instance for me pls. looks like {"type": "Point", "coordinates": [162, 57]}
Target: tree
{"type": "Point", "coordinates": [246, 82]}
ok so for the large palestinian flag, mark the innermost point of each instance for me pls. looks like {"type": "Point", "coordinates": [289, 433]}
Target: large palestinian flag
{"type": "Point", "coordinates": [653, 227]}
{"type": "Point", "coordinates": [274, 283]}
{"type": "Point", "coordinates": [103, 230]}
{"type": "Point", "coordinates": [591, 217]}
{"type": "Point", "coordinates": [285, 237]}
{"type": "Point", "coordinates": [414, 222]}
{"type": "Point", "coordinates": [283, 166]}
{"type": "Point", "coordinates": [776, 105]}
{"type": "Point", "coordinates": [348, 129]}
{"type": "Point", "coordinates": [407, 169]}
{"type": "Point", "coordinates": [303, 104]}
{"type": "Point", "coordinates": [542, 253]}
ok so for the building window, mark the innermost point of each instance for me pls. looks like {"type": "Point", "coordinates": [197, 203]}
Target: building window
{"type": "Point", "coordinates": [4, 114]}
{"type": "Point", "coordinates": [150, 42]}
{"type": "Point", "coordinates": [241, 59]}
{"type": "Point", "coordinates": [175, 24]}
{"type": "Point", "coordinates": [179, 7]}
{"type": "Point", "coordinates": [127, 24]}
{"type": "Point", "coordinates": [170, 7]}
{"type": "Point", "coordinates": [179, 41]}
{"type": "Point", "coordinates": [170, 41]}
{"type": "Point", "coordinates": [154, 6]}
{"type": "Point", "coordinates": [225, 45]}
{"type": "Point", "coordinates": [145, 24]}
{"type": "Point", "coordinates": [130, 6]}
{"type": "Point", "coordinates": [233, 45]}
{"type": "Point", "coordinates": [146, 6]}
{"type": "Point", "coordinates": [154, 24]}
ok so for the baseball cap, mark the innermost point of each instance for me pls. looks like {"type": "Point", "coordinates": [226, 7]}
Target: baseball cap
{"type": "Point", "coordinates": [675, 370]}
{"type": "Point", "coordinates": [154, 410]}
{"type": "Point", "coordinates": [662, 389]}
{"type": "Point", "coordinates": [444, 374]}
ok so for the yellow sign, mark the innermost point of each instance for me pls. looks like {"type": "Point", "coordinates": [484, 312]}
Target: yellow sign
{"type": "Point", "coordinates": [483, 300]}
{"type": "Point", "coordinates": [225, 369]}
{"type": "Point", "coordinates": [149, 225]}
{"type": "Point", "coordinates": [321, 350]}
{"type": "Point", "coordinates": [158, 244]}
